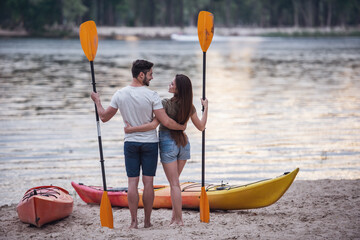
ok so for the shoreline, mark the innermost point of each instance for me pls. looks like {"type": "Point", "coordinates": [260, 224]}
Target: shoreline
{"type": "Point", "coordinates": [142, 33]}
{"type": "Point", "coordinates": [313, 209]}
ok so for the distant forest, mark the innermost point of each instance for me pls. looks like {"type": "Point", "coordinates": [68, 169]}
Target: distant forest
{"type": "Point", "coordinates": [40, 15]}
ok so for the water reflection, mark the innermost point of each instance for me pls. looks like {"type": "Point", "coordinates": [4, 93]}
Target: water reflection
{"type": "Point", "coordinates": [275, 105]}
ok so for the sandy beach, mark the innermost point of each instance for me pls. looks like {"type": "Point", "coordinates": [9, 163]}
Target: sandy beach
{"type": "Point", "coordinates": [320, 209]}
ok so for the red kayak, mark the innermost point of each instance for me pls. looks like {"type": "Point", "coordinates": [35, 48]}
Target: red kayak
{"type": "Point", "coordinates": [41, 205]}
{"type": "Point", "coordinates": [93, 194]}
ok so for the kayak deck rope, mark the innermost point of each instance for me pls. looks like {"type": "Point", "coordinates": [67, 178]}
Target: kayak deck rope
{"type": "Point", "coordinates": [119, 189]}
{"type": "Point", "coordinates": [49, 192]}
{"type": "Point", "coordinates": [208, 187]}
{"type": "Point", "coordinates": [222, 186]}
{"type": "Point", "coordinates": [213, 187]}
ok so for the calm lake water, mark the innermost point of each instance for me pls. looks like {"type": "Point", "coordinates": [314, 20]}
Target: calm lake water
{"type": "Point", "coordinates": [274, 104]}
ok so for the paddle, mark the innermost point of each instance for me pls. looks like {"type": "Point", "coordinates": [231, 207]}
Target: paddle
{"type": "Point", "coordinates": [89, 43]}
{"type": "Point", "coordinates": [205, 33]}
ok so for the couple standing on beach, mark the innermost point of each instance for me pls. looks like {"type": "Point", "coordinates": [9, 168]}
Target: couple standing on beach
{"type": "Point", "coordinates": [138, 105]}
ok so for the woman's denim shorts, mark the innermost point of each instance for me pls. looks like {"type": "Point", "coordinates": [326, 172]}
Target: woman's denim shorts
{"type": "Point", "coordinates": [169, 151]}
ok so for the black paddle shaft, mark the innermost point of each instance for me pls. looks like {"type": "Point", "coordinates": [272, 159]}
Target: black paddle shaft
{"type": "Point", "coordinates": [98, 129]}
{"type": "Point", "coordinates": [203, 132]}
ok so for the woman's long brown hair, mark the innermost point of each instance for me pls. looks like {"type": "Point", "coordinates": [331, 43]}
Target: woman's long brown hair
{"type": "Point", "coordinates": [184, 98]}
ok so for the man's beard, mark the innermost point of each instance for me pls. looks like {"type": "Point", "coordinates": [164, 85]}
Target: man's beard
{"type": "Point", "coordinates": [145, 81]}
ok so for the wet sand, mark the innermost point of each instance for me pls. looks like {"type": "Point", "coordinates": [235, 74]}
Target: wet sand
{"type": "Point", "coordinates": [320, 209]}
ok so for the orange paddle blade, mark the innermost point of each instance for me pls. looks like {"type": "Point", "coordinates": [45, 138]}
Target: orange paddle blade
{"type": "Point", "coordinates": [204, 206]}
{"type": "Point", "coordinates": [205, 29]}
{"type": "Point", "coordinates": [89, 39]}
{"type": "Point", "coordinates": [106, 216]}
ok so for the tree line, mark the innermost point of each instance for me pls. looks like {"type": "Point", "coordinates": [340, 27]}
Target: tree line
{"type": "Point", "coordinates": [39, 15]}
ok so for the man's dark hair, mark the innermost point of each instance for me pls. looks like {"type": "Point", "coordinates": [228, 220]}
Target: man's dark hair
{"type": "Point", "coordinates": [141, 66]}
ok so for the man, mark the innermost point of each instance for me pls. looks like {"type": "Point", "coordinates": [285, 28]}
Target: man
{"type": "Point", "coordinates": [137, 104]}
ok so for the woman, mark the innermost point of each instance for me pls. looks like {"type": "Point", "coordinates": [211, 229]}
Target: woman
{"type": "Point", "coordinates": [174, 145]}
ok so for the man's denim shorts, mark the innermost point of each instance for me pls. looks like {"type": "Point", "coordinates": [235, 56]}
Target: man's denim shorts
{"type": "Point", "coordinates": [141, 154]}
{"type": "Point", "coordinates": [169, 151]}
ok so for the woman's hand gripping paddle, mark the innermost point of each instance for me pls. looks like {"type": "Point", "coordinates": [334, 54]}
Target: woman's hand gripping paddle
{"type": "Point", "coordinates": [89, 43]}
{"type": "Point", "coordinates": [205, 33]}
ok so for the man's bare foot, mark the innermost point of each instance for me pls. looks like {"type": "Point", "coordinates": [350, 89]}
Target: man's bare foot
{"type": "Point", "coordinates": [133, 225]}
{"type": "Point", "coordinates": [147, 225]}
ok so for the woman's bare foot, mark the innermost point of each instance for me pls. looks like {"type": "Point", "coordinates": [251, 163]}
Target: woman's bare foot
{"type": "Point", "coordinates": [172, 221]}
{"type": "Point", "coordinates": [176, 222]}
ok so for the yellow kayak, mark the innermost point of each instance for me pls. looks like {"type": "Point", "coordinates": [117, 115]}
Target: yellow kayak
{"type": "Point", "coordinates": [221, 197]}
{"type": "Point", "coordinates": [229, 197]}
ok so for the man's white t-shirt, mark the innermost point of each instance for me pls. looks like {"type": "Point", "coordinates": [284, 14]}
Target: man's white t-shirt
{"type": "Point", "coordinates": [136, 105]}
